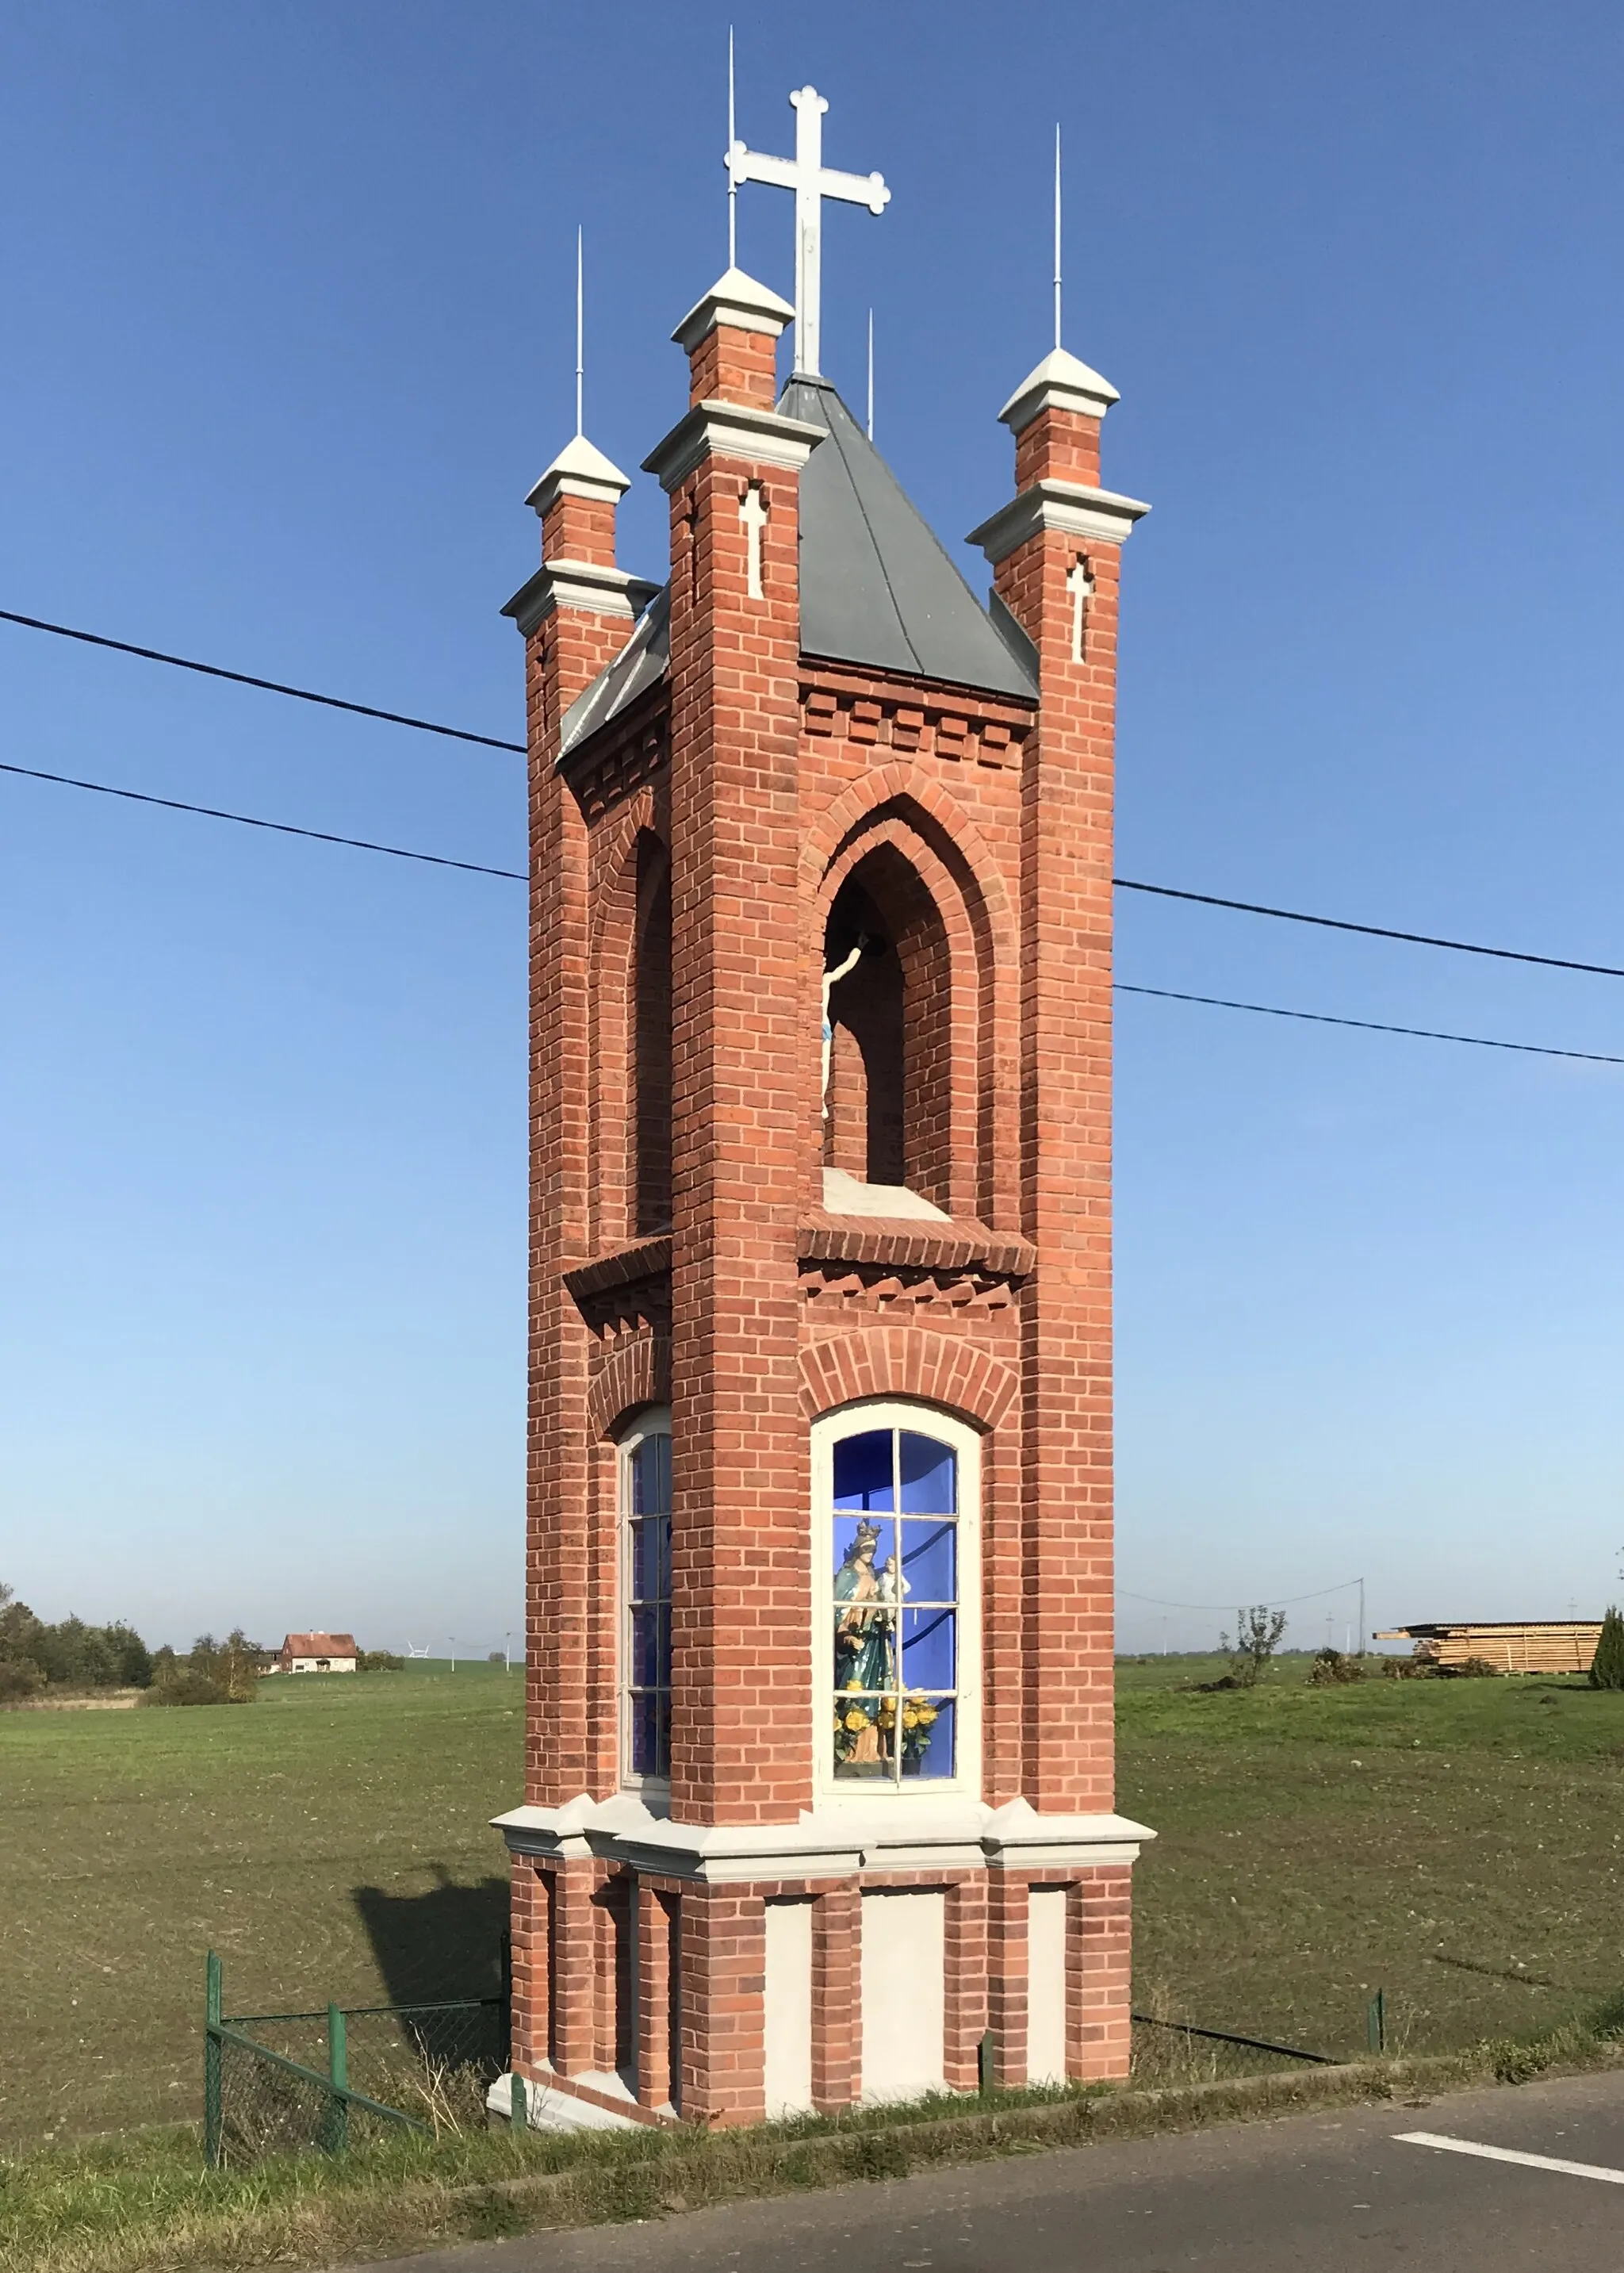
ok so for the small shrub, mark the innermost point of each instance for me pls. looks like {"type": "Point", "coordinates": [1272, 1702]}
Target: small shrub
{"type": "Point", "coordinates": [1515, 2063]}
{"type": "Point", "coordinates": [1257, 1638]}
{"type": "Point", "coordinates": [1470, 1669]}
{"type": "Point", "coordinates": [233, 1665]}
{"type": "Point", "coordinates": [1409, 1669]}
{"type": "Point", "coordinates": [177, 1684]}
{"type": "Point", "coordinates": [378, 1661]}
{"type": "Point", "coordinates": [19, 1677]}
{"type": "Point", "coordinates": [1332, 1668]}
{"type": "Point", "coordinates": [1607, 1665]}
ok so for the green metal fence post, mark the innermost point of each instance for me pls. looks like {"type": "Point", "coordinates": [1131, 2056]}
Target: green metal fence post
{"type": "Point", "coordinates": [1376, 2022]}
{"type": "Point", "coordinates": [212, 1995]}
{"type": "Point", "coordinates": [338, 2071]}
{"type": "Point", "coordinates": [518, 2107]}
{"type": "Point", "coordinates": [987, 2053]}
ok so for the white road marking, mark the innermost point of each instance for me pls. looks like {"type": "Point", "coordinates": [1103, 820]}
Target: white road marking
{"type": "Point", "coordinates": [1510, 2155]}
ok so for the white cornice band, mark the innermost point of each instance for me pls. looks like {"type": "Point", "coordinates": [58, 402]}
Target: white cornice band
{"type": "Point", "coordinates": [731, 430]}
{"type": "Point", "coordinates": [1100, 515]}
{"type": "Point", "coordinates": [584, 585]}
{"type": "Point", "coordinates": [913, 1832]}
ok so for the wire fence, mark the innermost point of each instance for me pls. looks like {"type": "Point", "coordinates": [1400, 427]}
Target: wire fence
{"type": "Point", "coordinates": [1167, 2049]}
{"type": "Point", "coordinates": [279, 2082]}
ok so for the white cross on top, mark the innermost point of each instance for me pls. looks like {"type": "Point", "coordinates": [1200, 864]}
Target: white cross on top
{"type": "Point", "coordinates": [1080, 584]}
{"type": "Point", "coordinates": [753, 513]}
{"type": "Point", "coordinates": [811, 181]}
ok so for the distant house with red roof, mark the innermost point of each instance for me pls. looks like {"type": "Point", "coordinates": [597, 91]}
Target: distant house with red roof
{"type": "Point", "coordinates": [317, 1653]}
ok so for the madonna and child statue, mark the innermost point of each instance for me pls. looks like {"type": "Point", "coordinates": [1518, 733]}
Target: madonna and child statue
{"type": "Point", "coordinates": [869, 1702]}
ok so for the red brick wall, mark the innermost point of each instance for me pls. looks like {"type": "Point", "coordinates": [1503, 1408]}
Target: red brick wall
{"type": "Point", "coordinates": [566, 1610]}
{"type": "Point", "coordinates": [742, 1707]}
{"type": "Point", "coordinates": [981, 833]}
{"type": "Point", "coordinates": [1067, 825]}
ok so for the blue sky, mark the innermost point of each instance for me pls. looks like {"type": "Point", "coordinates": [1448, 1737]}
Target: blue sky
{"type": "Point", "coordinates": [287, 336]}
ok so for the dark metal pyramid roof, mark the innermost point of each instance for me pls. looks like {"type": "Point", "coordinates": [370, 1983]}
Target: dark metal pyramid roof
{"type": "Point", "coordinates": [877, 585]}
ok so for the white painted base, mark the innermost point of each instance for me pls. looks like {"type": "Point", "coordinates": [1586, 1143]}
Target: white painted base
{"type": "Point", "coordinates": [561, 2111]}
{"type": "Point", "coordinates": [1045, 1985]}
{"type": "Point", "coordinates": [904, 2018]}
{"type": "Point", "coordinates": [788, 2009]}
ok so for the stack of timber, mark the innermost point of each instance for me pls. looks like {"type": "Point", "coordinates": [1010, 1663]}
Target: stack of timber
{"type": "Point", "coordinates": [1534, 1646]}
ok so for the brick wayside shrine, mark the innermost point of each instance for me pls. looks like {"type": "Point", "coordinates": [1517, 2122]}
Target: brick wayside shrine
{"type": "Point", "coordinates": [818, 1790]}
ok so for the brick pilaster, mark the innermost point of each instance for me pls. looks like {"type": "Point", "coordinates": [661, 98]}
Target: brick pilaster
{"type": "Point", "coordinates": [1099, 2032]}
{"type": "Point", "coordinates": [1006, 1974]}
{"type": "Point", "coordinates": [965, 2018]}
{"type": "Point", "coordinates": [724, 2000]}
{"type": "Point", "coordinates": [575, 1950]}
{"type": "Point", "coordinates": [530, 1927]}
{"type": "Point", "coordinates": [741, 1568]}
{"type": "Point", "coordinates": [656, 1912]}
{"type": "Point", "coordinates": [837, 1990]}
{"type": "Point", "coordinates": [1061, 527]}
{"type": "Point", "coordinates": [576, 614]}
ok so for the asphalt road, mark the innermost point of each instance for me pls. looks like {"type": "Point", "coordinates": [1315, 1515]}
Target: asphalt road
{"type": "Point", "coordinates": [1328, 2192]}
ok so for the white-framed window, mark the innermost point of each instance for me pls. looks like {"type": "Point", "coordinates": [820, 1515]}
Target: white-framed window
{"type": "Point", "coordinates": [645, 1598]}
{"type": "Point", "coordinates": [896, 1517]}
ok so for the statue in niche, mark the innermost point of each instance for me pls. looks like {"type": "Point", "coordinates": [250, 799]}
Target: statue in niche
{"type": "Point", "coordinates": [867, 944]}
{"type": "Point", "coordinates": [865, 1646]}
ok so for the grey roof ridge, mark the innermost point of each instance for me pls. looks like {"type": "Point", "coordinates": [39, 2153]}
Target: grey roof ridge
{"type": "Point", "coordinates": [829, 386]}
{"type": "Point", "coordinates": [1022, 653]}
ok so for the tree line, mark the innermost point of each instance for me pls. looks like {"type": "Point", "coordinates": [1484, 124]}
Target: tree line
{"type": "Point", "coordinates": [35, 1655]}
{"type": "Point", "coordinates": [69, 1656]}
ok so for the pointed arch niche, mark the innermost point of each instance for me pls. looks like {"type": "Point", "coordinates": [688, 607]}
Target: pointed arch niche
{"type": "Point", "coordinates": [918, 1092]}
{"type": "Point", "coordinates": [630, 1003]}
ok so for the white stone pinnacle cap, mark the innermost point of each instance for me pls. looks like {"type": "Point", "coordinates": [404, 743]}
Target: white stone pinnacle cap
{"type": "Point", "coordinates": [579, 470]}
{"type": "Point", "coordinates": [1060, 382]}
{"type": "Point", "coordinates": [738, 301]}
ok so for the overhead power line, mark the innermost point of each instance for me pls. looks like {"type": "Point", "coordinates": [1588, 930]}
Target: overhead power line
{"type": "Point", "coordinates": [1279, 1603]}
{"type": "Point", "coordinates": [495, 742]}
{"type": "Point", "coordinates": [519, 876]}
{"type": "Point", "coordinates": [1368, 1025]}
{"type": "Point", "coordinates": [1370, 931]}
{"type": "Point", "coordinates": [253, 821]}
{"type": "Point", "coordinates": [267, 686]}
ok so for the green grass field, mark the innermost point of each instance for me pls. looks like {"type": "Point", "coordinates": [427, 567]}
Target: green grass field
{"type": "Point", "coordinates": [330, 1841]}
{"type": "Point", "coordinates": [1455, 1842]}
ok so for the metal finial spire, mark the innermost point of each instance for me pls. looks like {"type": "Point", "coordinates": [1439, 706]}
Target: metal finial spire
{"type": "Point", "coordinates": [1057, 233]}
{"type": "Point", "coordinates": [871, 374]}
{"type": "Point", "coordinates": [579, 335]}
{"type": "Point", "coordinates": [732, 184]}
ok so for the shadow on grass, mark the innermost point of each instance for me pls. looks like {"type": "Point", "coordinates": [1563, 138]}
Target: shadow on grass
{"type": "Point", "coordinates": [442, 1943]}
{"type": "Point", "coordinates": [441, 1951]}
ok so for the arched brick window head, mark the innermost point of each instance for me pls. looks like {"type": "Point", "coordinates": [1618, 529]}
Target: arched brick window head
{"type": "Point", "coordinates": [887, 1116]}
{"type": "Point", "coordinates": [650, 1119]}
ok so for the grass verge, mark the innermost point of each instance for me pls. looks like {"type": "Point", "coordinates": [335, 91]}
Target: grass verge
{"type": "Point", "coordinates": [1452, 1842]}
{"type": "Point", "coordinates": [144, 2204]}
